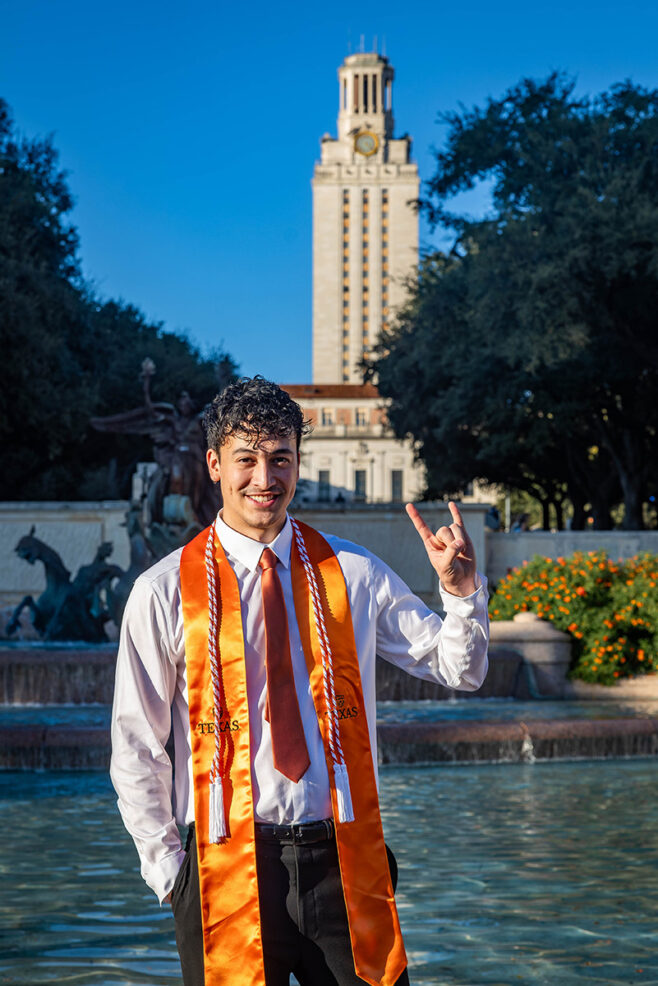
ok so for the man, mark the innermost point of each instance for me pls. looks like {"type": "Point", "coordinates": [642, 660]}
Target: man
{"type": "Point", "coordinates": [255, 646]}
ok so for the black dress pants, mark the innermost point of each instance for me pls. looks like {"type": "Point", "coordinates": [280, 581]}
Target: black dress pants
{"type": "Point", "coordinates": [303, 918]}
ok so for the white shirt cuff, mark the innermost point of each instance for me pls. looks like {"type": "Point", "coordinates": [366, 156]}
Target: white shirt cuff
{"type": "Point", "coordinates": [466, 606]}
{"type": "Point", "coordinates": [161, 876]}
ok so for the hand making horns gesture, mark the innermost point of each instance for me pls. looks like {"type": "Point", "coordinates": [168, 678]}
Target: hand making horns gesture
{"type": "Point", "coordinates": [450, 551]}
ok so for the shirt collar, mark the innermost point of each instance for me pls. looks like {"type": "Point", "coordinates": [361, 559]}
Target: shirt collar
{"type": "Point", "coordinates": [247, 551]}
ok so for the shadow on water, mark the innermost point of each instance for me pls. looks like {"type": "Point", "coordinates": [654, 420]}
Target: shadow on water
{"type": "Point", "coordinates": [544, 874]}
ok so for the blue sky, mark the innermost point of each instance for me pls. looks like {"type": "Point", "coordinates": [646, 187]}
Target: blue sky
{"type": "Point", "coordinates": [190, 131]}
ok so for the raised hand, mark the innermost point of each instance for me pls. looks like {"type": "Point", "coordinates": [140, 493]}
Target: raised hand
{"type": "Point", "coordinates": [450, 551]}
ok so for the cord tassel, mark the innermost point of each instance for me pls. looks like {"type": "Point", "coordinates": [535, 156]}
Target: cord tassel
{"type": "Point", "coordinates": [217, 819]}
{"type": "Point", "coordinates": [343, 795]}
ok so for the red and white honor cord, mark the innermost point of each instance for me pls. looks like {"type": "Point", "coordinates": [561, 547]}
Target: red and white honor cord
{"type": "Point", "coordinates": [217, 828]}
{"type": "Point", "coordinates": [341, 777]}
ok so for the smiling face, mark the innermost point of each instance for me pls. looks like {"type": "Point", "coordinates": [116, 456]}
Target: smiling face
{"type": "Point", "coordinates": [258, 479]}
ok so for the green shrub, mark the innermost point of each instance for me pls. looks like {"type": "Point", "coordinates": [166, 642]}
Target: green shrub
{"type": "Point", "coordinates": [610, 609]}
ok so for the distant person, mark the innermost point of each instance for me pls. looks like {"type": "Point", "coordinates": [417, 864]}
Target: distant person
{"type": "Point", "coordinates": [492, 518]}
{"type": "Point", "coordinates": [521, 523]}
{"type": "Point", "coordinates": [255, 645]}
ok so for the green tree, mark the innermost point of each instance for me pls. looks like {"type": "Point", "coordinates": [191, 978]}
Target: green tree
{"type": "Point", "coordinates": [119, 339]}
{"type": "Point", "coordinates": [41, 310]}
{"type": "Point", "coordinates": [533, 347]}
{"type": "Point", "coordinates": [66, 355]}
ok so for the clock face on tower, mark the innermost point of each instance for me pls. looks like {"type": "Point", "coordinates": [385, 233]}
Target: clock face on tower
{"type": "Point", "coordinates": [366, 143]}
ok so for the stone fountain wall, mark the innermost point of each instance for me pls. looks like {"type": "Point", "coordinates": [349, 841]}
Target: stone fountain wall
{"type": "Point", "coordinates": [57, 674]}
{"type": "Point", "coordinates": [63, 676]}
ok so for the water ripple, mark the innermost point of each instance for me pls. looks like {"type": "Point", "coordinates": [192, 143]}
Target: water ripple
{"type": "Point", "coordinates": [543, 875]}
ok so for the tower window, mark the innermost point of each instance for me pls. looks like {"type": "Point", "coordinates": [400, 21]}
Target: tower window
{"type": "Point", "coordinates": [327, 416]}
{"type": "Point", "coordinates": [359, 484]}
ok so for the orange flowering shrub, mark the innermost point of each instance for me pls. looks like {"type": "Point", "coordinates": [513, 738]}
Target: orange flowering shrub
{"type": "Point", "coordinates": [609, 608]}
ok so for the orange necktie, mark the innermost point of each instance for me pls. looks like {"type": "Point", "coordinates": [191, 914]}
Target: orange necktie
{"type": "Point", "coordinates": [289, 749]}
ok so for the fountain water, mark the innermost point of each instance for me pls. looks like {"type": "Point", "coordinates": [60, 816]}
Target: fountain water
{"type": "Point", "coordinates": [537, 875]}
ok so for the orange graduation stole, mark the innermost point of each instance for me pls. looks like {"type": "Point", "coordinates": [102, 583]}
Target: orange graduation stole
{"type": "Point", "coordinates": [219, 728]}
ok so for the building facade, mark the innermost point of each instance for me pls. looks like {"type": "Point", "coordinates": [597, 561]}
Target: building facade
{"type": "Point", "coordinates": [365, 246]}
{"type": "Point", "coordinates": [350, 454]}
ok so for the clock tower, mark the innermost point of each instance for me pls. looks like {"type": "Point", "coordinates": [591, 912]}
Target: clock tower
{"type": "Point", "coordinates": [365, 229]}
{"type": "Point", "coordinates": [365, 244]}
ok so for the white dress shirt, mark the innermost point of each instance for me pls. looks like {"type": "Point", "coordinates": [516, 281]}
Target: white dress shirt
{"type": "Point", "coordinates": [150, 698]}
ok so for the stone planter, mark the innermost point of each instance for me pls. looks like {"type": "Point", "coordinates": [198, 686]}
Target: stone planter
{"type": "Point", "coordinates": [545, 650]}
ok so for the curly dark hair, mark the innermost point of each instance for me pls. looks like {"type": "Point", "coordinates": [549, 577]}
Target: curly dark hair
{"type": "Point", "coordinates": [255, 407]}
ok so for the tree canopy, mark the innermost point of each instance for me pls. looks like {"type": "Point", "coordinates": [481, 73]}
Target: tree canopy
{"type": "Point", "coordinates": [533, 345]}
{"type": "Point", "coordinates": [66, 354]}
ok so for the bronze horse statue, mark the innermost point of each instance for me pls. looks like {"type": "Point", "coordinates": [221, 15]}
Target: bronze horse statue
{"type": "Point", "coordinates": [67, 610]}
{"type": "Point", "coordinates": [58, 580]}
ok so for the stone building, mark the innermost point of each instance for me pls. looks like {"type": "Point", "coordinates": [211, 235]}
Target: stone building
{"type": "Point", "coordinates": [351, 454]}
{"type": "Point", "coordinates": [365, 245]}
